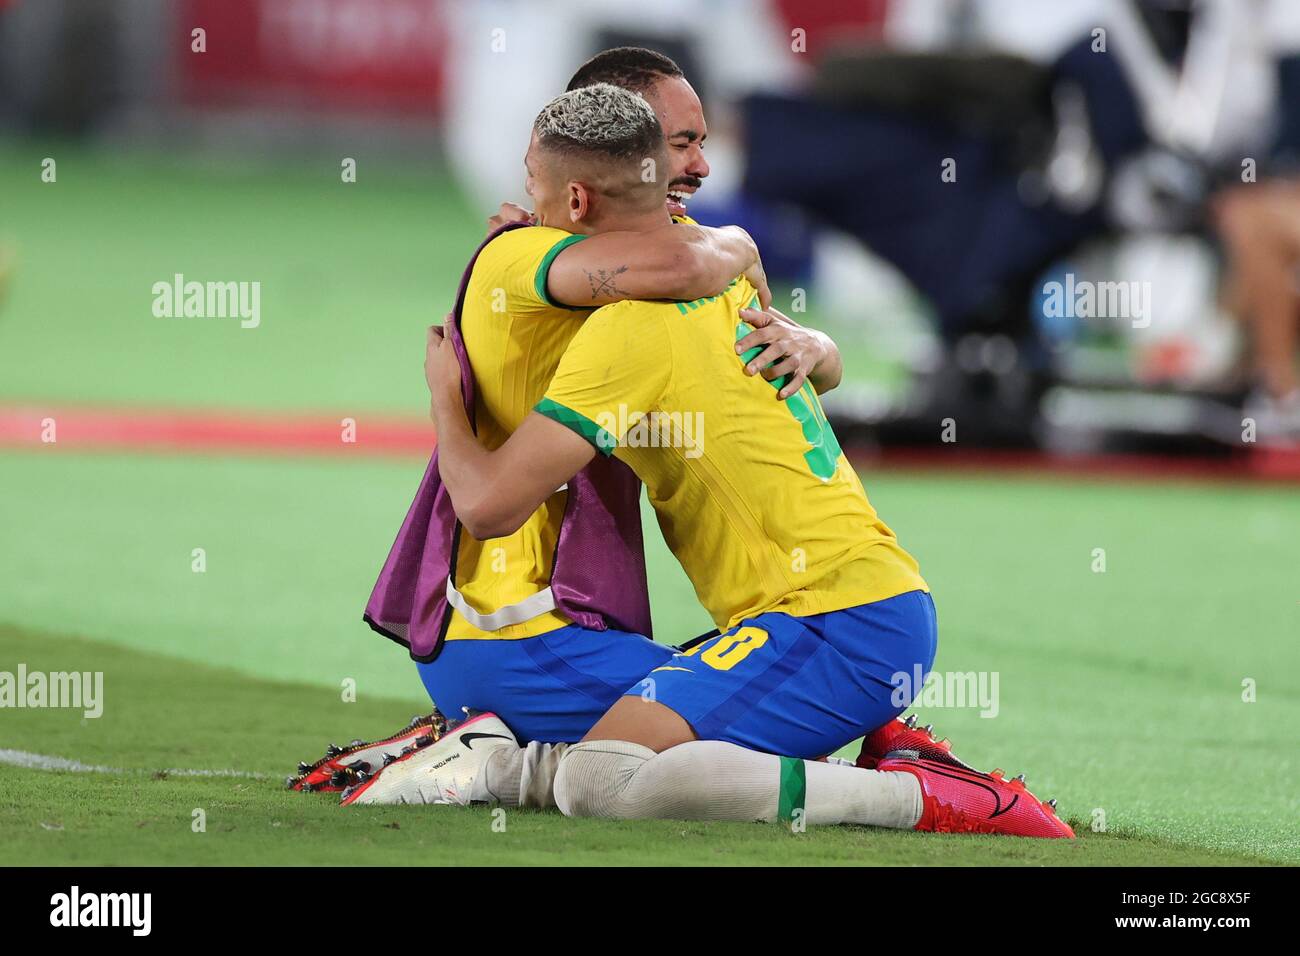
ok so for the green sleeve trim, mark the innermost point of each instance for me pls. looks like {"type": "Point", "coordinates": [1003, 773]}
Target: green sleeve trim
{"type": "Point", "coordinates": [604, 442]}
{"type": "Point", "coordinates": [544, 270]}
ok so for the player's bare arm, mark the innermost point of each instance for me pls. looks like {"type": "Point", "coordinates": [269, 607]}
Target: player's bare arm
{"type": "Point", "coordinates": [678, 261]}
{"type": "Point", "coordinates": [494, 492]}
{"type": "Point", "coordinates": [681, 261]}
{"type": "Point", "coordinates": [789, 348]}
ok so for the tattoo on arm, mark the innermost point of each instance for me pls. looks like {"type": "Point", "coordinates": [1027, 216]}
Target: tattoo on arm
{"type": "Point", "coordinates": [602, 282]}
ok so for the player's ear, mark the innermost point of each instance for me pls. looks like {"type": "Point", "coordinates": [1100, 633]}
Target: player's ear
{"type": "Point", "coordinates": [579, 202]}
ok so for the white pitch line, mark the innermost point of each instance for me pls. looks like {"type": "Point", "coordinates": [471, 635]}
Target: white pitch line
{"type": "Point", "coordinates": [21, 758]}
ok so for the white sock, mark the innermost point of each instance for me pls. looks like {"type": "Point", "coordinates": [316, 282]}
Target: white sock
{"type": "Point", "coordinates": [520, 776]}
{"type": "Point", "coordinates": [711, 780]}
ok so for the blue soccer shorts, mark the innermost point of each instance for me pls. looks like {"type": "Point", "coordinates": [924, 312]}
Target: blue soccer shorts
{"type": "Point", "coordinates": [553, 687]}
{"type": "Point", "coordinates": [800, 686]}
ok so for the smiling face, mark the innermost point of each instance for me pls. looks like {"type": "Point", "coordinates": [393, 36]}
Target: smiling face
{"type": "Point", "coordinates": [682, 117]}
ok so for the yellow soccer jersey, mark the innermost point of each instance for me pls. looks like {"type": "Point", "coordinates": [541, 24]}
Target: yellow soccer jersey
{"type": "Point", "coordinates": [753, 495]}
{"type": "Point", "coordinates": [514, 336]}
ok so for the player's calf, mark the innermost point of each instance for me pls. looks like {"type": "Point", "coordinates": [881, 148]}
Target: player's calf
{"type": "Point", "coordinates": [714, 780]}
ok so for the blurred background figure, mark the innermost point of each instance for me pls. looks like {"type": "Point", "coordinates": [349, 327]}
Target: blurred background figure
{"type": "Point", "coordinates": [994, 150]}
{"type": "Point", "coordinates": [1069, 226]}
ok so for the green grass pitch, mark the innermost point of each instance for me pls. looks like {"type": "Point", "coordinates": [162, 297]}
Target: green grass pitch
{"type": "Point", "coordinates": [1120, 692]}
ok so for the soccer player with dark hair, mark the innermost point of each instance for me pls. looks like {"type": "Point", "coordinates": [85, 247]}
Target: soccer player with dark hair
{"type": "Point", "coordinates": [817, 603]}
{"type": "Point", "coordinates": [528, 291]}
{"type": "Point", "coordinates": [600, 144]}
{"type": "Point", "coordinates": [661, 81]}
{"type": "Point", "coordinates": [783, 344]}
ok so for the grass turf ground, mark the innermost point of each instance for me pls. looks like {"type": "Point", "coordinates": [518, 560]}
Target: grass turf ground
{"type": "Point", "coordinates": [167, 716]}
{"type": "Point", "coordinates": [351, 275]}
{"type": "Point", "coordinates": [1120, 692]}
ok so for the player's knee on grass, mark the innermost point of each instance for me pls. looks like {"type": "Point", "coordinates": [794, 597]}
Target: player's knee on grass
{"type": "Point", "coordinates": [595, 779]}
{"type": "Point", "coordinates": [697, 780]}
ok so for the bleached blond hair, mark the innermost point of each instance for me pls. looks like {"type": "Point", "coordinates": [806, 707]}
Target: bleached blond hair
{"type": "Point", "coordinates": [602, 119]}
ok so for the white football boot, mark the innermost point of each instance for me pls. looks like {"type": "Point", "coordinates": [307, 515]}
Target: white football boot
{"type": "Point", "coordinates": [436, 771]}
